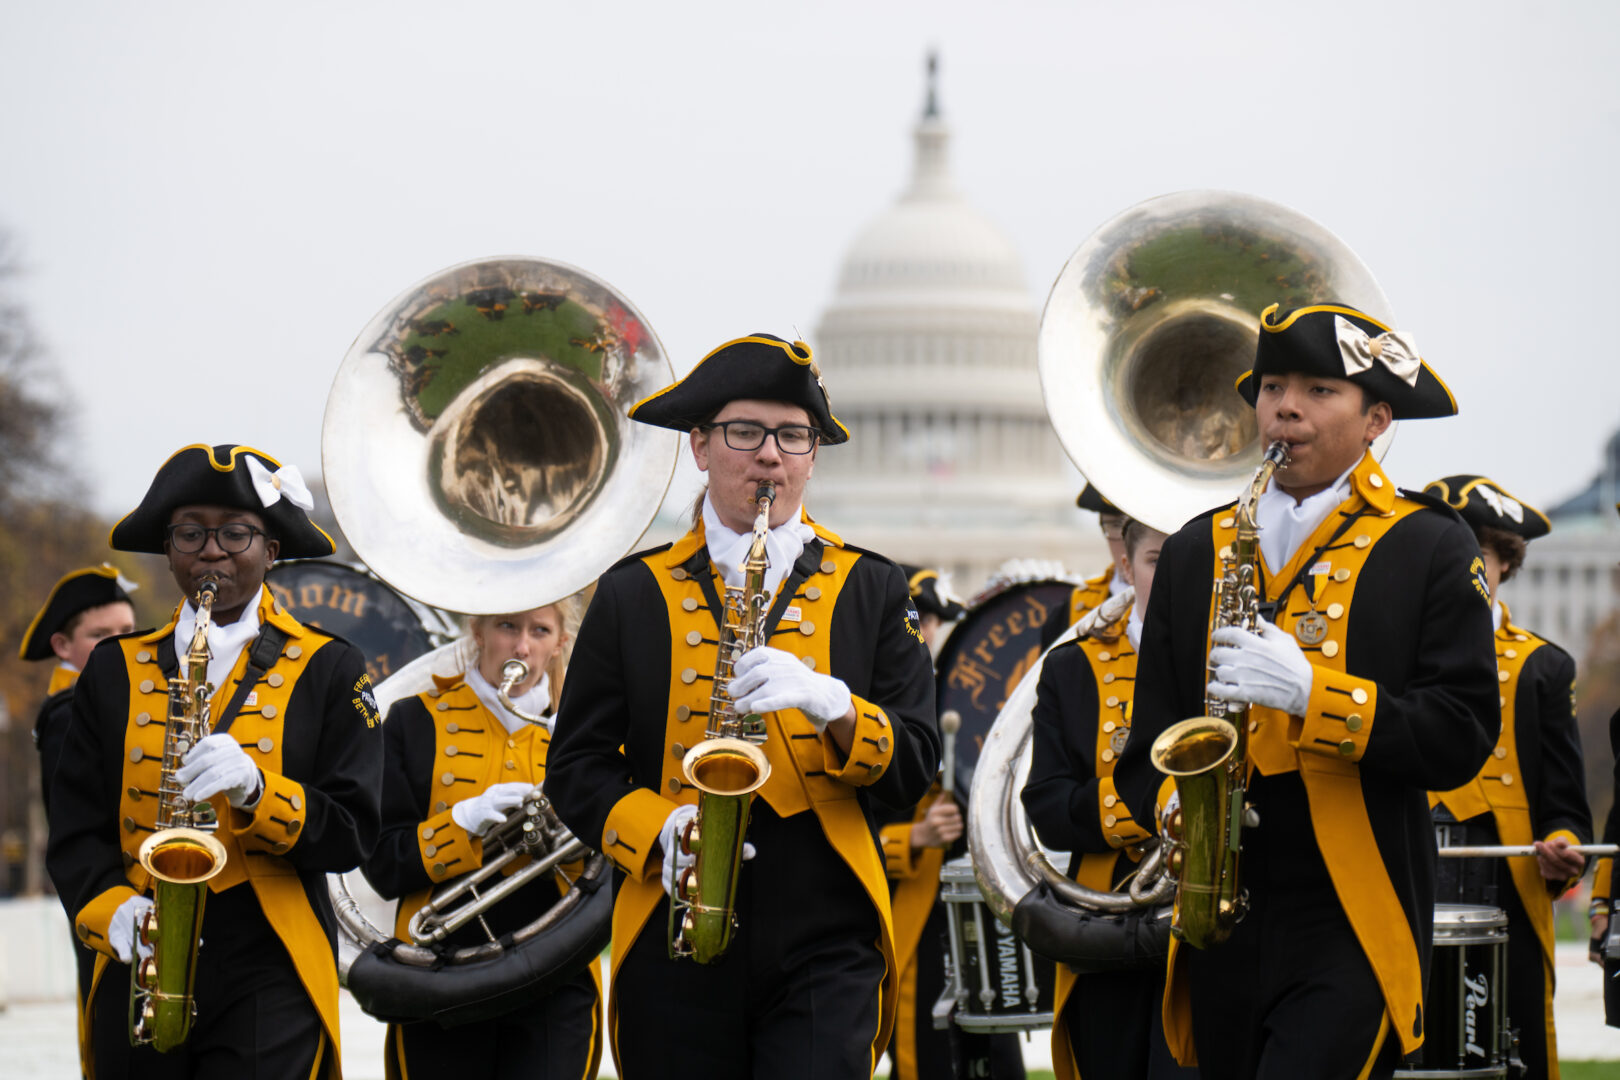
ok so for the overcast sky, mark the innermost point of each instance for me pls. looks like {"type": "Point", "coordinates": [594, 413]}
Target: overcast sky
{"type": "Point", "coordinates": [212, 199]}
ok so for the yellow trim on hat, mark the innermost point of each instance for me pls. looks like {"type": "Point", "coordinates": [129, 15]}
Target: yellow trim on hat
{"type": "Point", "coordinates": [915, 584]}
{"type": "Point", "coordinates": [1443, 489]}
{"type": "Point", "coordinates": [787, 347]}
{"type": "Point", "coordinates": [1337, 309]}
{"type": "Point", "coordinates": [227, 466]}
{"type": "Point", "coordinates": [106, 570]}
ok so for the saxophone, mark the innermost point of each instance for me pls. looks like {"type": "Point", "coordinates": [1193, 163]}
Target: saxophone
{"type": "Point", "coordinates": [726, 768]}
{"type": "Point", "coordinates": [181, 856]}
{"type": "Point", "coordinates": [1208, 755]}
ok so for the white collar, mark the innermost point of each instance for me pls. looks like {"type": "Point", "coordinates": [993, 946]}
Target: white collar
{"type": "Point", "coordinates": [535, 701]}
{"type": "Point", "coordinates": [225, 643]}
{"type": "Point", "coordinates": [1496, 615]}
{"type": "Point", "coordinates": [728, 549]}
{"type": "Point", "coordinates": [1285, 524]}
{"type": "Point", "coordinates": [1133, 627]}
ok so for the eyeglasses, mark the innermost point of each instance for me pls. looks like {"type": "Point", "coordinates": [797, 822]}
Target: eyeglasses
{"type": "Point", "coordinates": [234, 538]}
{"type": "Point", "coordinates": [747, 435]}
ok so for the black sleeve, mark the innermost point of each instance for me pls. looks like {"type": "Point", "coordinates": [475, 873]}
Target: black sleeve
{"type": "Point", "coordinates": [1549, 740]}
{"type": "Point", "coordinates": [1057, 621]}
{"type": "Point", "coordinates": [83, 854]}
{"type": "Point", "coordinates": [1611, 830]}
{"type": "Point", "coordinates": [50, 732]}
{"type": "Point", "coordinates": [395, 868]}
{"type": "Point", "coordinates": [1061, 795]}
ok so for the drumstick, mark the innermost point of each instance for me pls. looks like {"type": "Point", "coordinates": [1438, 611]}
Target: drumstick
{"type": "Point", "coordinates": [950, 721]}
{"type": "Point", "coordinates": [1512, 851]}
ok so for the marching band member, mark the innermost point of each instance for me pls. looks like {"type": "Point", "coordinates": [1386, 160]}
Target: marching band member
{"type": "Point", "coordinates": [808, 985]}
{"type": "Point", "coordinates": [1111, 582]}
{"type": "Point", "coordinates": [1533, 787]}
{"type": "Point", "coordinates": [82, 609]}
{"type": "Point", "coordinates": [434, 817]}
{"type": "Point", "coordinates": [292, 769]}
{"type": "Point", "coordinates": [1106, 1024]}
{"type": "Point", "coordinates": [1371, 682]}
{"type": "Point", "coordinates": [915, 846]}
{"type": "Point", "coordinates": [1602, 909]}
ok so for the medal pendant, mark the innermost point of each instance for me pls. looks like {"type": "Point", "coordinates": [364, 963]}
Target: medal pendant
{"type": "Point", "coordinates": [1121, 735]}
{"type": "Point", "coordinates": [1310, 628]}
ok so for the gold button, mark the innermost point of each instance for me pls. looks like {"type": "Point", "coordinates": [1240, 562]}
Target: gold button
{"type": "Point", "coordinates": [1347, 747]}
{"type": "Point", "coordinates": [297, 803]}
{"type": "Point", "coordinates": [810, 662]}
{"type": "Point", "coordinates": [674, 786]}
{"type": "Point", "coordinates": [1511, 654]}
{"type": "Point", "coordinates": [1359, 696]}
{"type": "Point", "coordinates": [266, 745]}
{"type": "Point", "coordinates": [143, 656]}
{"type": "Point", "coordinates": [1228, 522]}
{"type": "Point", "coordinates": [293, 826]}
{"type": "Point", "coordinates": [828, 566]}
{"type": "Point", "coordinates": [1334, 611]}
{"type": "Point", "coordinates": [813, 593]}
{"type": "Point", "coordinates": [1375, 480]}
{"type": "Point", "coordinates": [275, 679]}
{"type": "Point", "coordinates": [452, 727]}
{"type": "Point", "coordinates": [451, 751]}
{"type": "Point", "coordinates": [677, 751]}
{"type": "Point", "coordinates": [1115, 839]}
{"type": "Point", "coordinates": [883, 744]}
{"type": "Point", "coordinates": [1507, 778]}
{"type": "Point", "coordinates": [510, 764]}
{"type": "Point", "coordinates": [269, 712]}
{"type": "Point", "coordinates": [447, 779]}
{"type": "Point", "coordinates": [807, 628]}
{"type": "Point", "coordinates": [694, 637]}
{"type": "Point", "coordinates": [1108, 678]}
{"type": "Point", "coordinates": [1112, 702]}
{"type": "Point", "coordinates": [610, 837]}
{"type": "Point", "coordinates": [1501, 752]}
{"type": "Point", "coordinates": [1109, 726]}
{"type": "Point", "coordinates": [136, 754]}
{"type": "Point", "coordinates": [1110, 800]}
{"type": "Point", "coordinates": [442, 706]}
{"type": "Point", "coordinates": [134, 794]}
{"type": "Point", "coordinates": [1108, 755]}
{"type": "Point", "coordinates": [1330, 649]}
{"type": "Point", "coordinates": [1105, 655]}
{"type": "Point", "coordinates": [129, 824]}
{"type": "Point", "coordinates": [430, 850]}
{"type": "Point", "coordinates": [511, 742]}
{"type": "Point", "coordinates": [142, 719]}
{"type": "Point", "coordinates": [294, 652]}
{"type": "Point", "coordinates": [1109, 820]}
{"type": "Point", "coordinates": [876, 768]}
{"type": "Point", "coordinates": [276, 607]}
{"type": "Point", "coordinates": [1254, 725]}
{"type": "Point", "coordinates": [427, 832]}
{"type": "Point", "coordinates": [1226, 552]}
{"type": "Point", "coordinates": [1502, 676]}
{"type": "Point", "coordinates": [146, 686]}
{"type": "Point", "coordinates": [678, 573]}
{"type": "Point", "coordinates": [440, 807]}
{"type": "Point", "coordinates": [1363, 540]}
{"type": "Point", "coordinates": [438, 869]}
{"type": "Point", "coordinates": [1341, 574]}
{"type": "Point", "coordinates": [84, 931]}
{"type": "Point", "coordinates": [689, 604]}
{"type": "Point", "coordinates": [683, 713]}
{"type": "Point", "coordinates": [1520, 637]}
{"type": "Point", "coordinates": [1353, 721]}
{"type": "Point", "coordinates": [689, 676]}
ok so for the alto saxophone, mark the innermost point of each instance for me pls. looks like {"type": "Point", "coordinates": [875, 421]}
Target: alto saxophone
{"type": "Point", "coordinates": [1208, 755]}
{"type": "Point", "coordinates": [181, 856]}
{"type": "Point", "coordinates": [727, 767]}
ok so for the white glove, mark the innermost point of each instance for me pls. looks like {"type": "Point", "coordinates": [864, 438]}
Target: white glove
{"type": "Point", "coordinates": [218, 763]}
{"type": "Point", "coordinates": [123, 932]}
{"type": "Point", "coordinates": [766, 679]}
{"type": "Point", "coordinates": [675, 859]}
{"type": "Point", "coordinates": [482, 813]}
{"type": "Point", "coordinates": [1267, 668]}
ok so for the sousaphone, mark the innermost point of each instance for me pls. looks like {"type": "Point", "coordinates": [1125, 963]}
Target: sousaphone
{"type": "Point", "coordinates": [478, 456]}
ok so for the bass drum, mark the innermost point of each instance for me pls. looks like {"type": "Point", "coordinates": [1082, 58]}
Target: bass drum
{"type": "Point", "coordinates": [359, 608]}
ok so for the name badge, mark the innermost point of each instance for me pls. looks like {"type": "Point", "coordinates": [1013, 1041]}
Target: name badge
{"type": "Point", "coordinates": [251, 700]}
{"type": "Point", "coordinates": [792, 614]}
{"type": "Point", "coordinates": [1323, 567]}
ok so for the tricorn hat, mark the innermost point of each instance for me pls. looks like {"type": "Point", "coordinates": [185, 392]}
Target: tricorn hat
{"type": "Point", "coordinates": [1092, 499]}
{"type": "Point", "coordinates": [759, 366]}
{"type": "Point", "coordinates": [238, 477]}
{"type": "Point", "coordinates": [1484, 504]}
{"type": "Point", "coordinates": [91, 587]}
{"type": "Point", "coordinates": [931, 595]}
{"type": "Point", "coordinates": [1337, 341]}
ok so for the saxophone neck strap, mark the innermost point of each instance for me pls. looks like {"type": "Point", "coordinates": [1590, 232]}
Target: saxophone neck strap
{"type": "Point", "coordinates": [1269, 609]}
{"type": "Point", "coordinates": [808, 562]}
{"type": "Point", "coordinates": [262, 656]}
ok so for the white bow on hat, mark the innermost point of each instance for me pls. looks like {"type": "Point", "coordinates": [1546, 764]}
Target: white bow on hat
{"type": "Point", "coordinates": [286, 482]}
{"type": "Point", "coordinates": [1394, 349]}
{"type": "Point", "coordinates": [1504, 505]}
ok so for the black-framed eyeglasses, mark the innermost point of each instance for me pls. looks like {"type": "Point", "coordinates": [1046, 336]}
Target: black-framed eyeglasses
{"type": "Point", "coordinates": [235, 538]}
{"type": "Point", "coordinates": [748, 435]}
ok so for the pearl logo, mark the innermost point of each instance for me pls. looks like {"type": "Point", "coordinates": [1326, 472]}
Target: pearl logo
{"type": "Point", "coordinates": [1479, 993]}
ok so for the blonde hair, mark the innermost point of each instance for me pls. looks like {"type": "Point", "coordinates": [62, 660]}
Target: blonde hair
{"type": "Point", "coordinates": [570, 609]}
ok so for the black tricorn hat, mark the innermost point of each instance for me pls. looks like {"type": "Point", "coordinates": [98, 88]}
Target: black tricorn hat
{"type": "Point", "coordinates": [1092, 499]}
{"type": "Point", "coordinates": [926, 594]}
{"type": "Point", "coordinates": [79, 591]}
{"type": "Point", "coordinates": [759, 366]}
{"type": "Point", "coordinates": [1484, 504]}
{"type": "Point", "coordinates": [225, 475]}
{"type": "Point", "coordinates": [1337, 341]}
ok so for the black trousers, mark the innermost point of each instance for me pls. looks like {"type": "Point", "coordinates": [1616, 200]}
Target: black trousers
{"type": "Point", "coordinates": [1290, 995]}
{"type": "Point", "coordinates": [1527, 986]}
{"type": "Point", "coordinates": [254, 1020]}
{"type": "Point", "coordinates": [560, 1039]}
{"type": "Point", "coordinates": [797, 995]}
{"type": "Point", "coordinates": [1116, 1027]}
{"type": "Point", "coordinates": [952, 1052]}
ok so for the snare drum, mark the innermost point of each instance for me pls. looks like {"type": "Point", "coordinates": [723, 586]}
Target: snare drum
{"type": "Point", "coordinates": [998, 984]}
{"type": "Point", "coordinates": [1467, 1030]}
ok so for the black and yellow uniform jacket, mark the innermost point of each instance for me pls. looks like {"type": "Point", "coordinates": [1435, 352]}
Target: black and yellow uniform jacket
{"type": "Point", "coordinates": [638, 690]}
{"type": "Point", "coordinates": [311, 726]}
{"type": "Point", "coordinates": [50, 728]}
{"type": "Point", "coordinates": [1603, 875]}
{"type": "Point", "coordinates": [1079, 729]}
{"type": "Point", "coordinates": [440, 747]}
{"type": "Point", "coordinates": [1403, 701]}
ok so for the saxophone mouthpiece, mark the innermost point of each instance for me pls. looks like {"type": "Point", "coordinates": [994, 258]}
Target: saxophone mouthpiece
{"type": "Point", "coordinates": [209, 588]}
{"type": "Point", "coordinates": [765, 492]}
{"type": "Point", "coordinates": [1278, 452]}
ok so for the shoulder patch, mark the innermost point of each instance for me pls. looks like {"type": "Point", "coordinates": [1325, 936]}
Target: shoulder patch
{"type": "Point", "coordinates": [1482, 584]}
{"type": "Point", "coordinates": [365, 702]}
{"type": "Point", "coordinates": [914, 624]}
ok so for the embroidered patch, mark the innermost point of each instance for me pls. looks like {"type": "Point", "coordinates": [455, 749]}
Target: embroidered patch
{"type": "Point", "coordinates": [1482, 584]}
{"type": "Point", "coordinates": [365, 702]}
{"type": "Point", "coordinates": [914, 623]}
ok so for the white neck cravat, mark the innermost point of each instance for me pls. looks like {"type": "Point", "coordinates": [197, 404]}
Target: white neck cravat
{"type": "Point", "coordinates": [224, 642]}
{"type": "Point", "coordinates": [1496, 615]}
{"type": "Point", "coordinates": [1285, 524]}
{"type": "Point", "coordinates": [1133, 627]}
{"type": "Point", "coordinates": [728, 549]}
{"type": "Point", "coordinates": [534, 702]}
